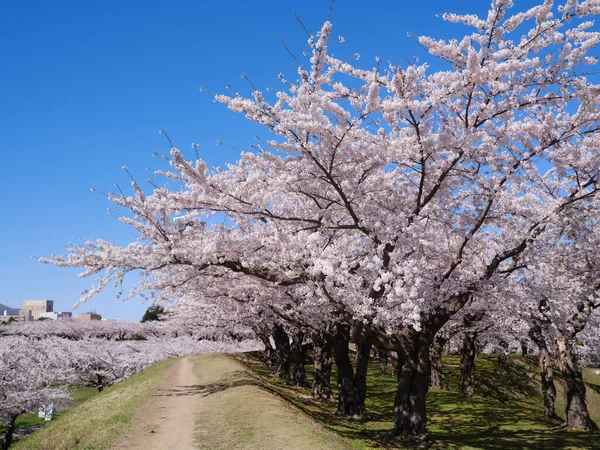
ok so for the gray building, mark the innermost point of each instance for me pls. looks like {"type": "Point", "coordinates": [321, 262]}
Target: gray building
{"type": "Point", "coordinates": [32, 309]}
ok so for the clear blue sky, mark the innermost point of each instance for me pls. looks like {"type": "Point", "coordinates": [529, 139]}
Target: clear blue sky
{"type": "Point", "coordinates": [85, 87]}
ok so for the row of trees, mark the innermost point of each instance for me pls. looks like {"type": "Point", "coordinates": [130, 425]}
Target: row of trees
{"type": "Point", "coordinates": [41, 361]}
{"type": "Point", "coordinates": [392, 204]}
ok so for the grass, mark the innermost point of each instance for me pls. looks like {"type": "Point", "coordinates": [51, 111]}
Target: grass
{"type": "Point", "coordinates": [98, 419]}
{"type": "Point", "coordinates": [236, 413]}
{"type": "Point", "coordinates": [507, 413]}
{"type": "Point", "coordinates": [78, 395]}
{"type": "Point", "coordinates": [593, 392]}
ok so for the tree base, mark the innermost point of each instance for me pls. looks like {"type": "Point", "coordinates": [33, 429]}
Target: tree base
{"type": "Point", "coordinates": [410, 440]}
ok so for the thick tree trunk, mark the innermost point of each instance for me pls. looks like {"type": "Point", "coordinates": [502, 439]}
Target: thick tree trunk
{"type": "Point", "coordinates": [282, 350]}
{"type": "Point", "coordinates": [548, 387]}
{"type": "Point", "coordinates": [382, 356]}
{"type": "Point", "coordinates": [360, 377]}
{"type": "Point", "coordinates": [410, 415]}
{"type": "Point", "coordinates": [298, 357]}
{"type": "Point", "coordinates": [578, 417]}
{"type": "Point", "coordinates": [437, 349]}
{"type": "Point", "coordinates": [348, 395]}
{"type": "Point", "coordinates": [322, 363]}
{"type": "Point", "coordinates": [467, 365]}
{"type": "Point", "coordinates": [10, 430]}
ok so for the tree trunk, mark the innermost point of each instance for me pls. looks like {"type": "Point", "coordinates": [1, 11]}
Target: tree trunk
{"type": "Point", "coordinates": [269, 350]}
{"type": "Point", "coordinates": [382, 356]}
{"type": "Point", "coordinates": [298, 357]}
{"type": "Point", "coordinates": [10, 429]}
{"type": "Point", "coordinates": [436, 381]}
{"type": "Point", "coordinates": [282, 350]}
{"type": "Point", "coordinates": [578, 417]}
{"type": "Point", "coordinates": [322, 362]}
{"type": "Point", "coordinates": [548, 388]}
{"type": "Point", "coordinates": [410, 415]}
{"type": "Point", "coordinates": [524, 348]}
{"type": "Point", "coordinates": [98, 381]}
{"type": "Point", "coordinates": [467, 365]}
{"type": "Point", "coordinates": [348, 396]}
{"type": "Point", "coordinates": [360, 377]}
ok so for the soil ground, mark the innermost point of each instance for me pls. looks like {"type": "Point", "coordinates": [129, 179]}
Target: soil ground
{"type": "Point", "coordinates": [167, 419]}
{"type": "Point", "coordinates": [215, 402]}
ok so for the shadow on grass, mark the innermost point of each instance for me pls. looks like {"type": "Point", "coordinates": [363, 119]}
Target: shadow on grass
{"type": "Point", "coordinates": [478, 422]}
{"type": "Point", "coordinates": [594, 387]}
{"type": "Point", "coordinates": [507, 413]}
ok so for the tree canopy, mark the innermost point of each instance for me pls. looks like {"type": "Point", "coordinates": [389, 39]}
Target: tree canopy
{"type": "Point", "coordinates": [389, 200]}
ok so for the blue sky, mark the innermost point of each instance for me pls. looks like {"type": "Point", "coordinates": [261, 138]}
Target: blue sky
{"type": "Point", "coordinates": [85, 87]}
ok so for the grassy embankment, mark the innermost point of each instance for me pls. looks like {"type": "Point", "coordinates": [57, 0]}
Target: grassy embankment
{"type": "Point", "coordinates": [78, 395]}
{"type": "Point", "coordinates": [235, 412]}
{"type": "Point", "coordinates": [97, 422]}
{"type": "Point", "coordinates": [506, 413]}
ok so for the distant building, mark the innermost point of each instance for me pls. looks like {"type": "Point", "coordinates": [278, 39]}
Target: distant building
{"type": "Point", "coordinates": [65, 315]}
{"type": "Point", "coordinates": [25, 316]}
{"type": "Point", "coordinates": [89, 316]}
{"type": "Point", "coordinates": [8, 314]}
{"type": "Point", "coordinates": [35, 308]}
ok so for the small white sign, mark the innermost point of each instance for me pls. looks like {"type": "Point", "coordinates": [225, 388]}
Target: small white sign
{"type": "Point", "coordinates": [49, 412]}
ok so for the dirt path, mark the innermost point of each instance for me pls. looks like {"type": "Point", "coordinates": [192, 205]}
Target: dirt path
{"type": "Point", "coordinates": [168, 419]}
{"type": "Point", "coordinates": [213, 402]}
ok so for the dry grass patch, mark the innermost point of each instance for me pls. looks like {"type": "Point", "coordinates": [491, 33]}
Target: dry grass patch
{"type": "Point", "coordinates": [237, 412]}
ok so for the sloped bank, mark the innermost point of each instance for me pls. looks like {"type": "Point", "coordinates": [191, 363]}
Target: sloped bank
{"type": "Point", "coordinates": [98, 422]}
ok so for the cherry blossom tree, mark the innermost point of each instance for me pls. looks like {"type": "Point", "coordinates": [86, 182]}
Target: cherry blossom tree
{"type": "Point", "coordinates": [565, 291]}
{"type": "Point", "coordinates": [588, 348]}
{"type": "Point", "coordinates": [31, 375]}
{"type": "Point", "coordinates": [228, 301]}
{"type": "Point", "coordinates": [392, 194]}
{"type": "Point", "coordinates": [40, 360]}
{"type": "Point", "coordinates": [76, 330]}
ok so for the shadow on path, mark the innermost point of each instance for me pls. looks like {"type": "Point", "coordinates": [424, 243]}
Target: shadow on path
{"type": "Point", "coordinates": [233, 380]}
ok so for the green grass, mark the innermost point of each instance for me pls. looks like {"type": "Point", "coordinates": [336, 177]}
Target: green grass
{"type": "Point", "coordinates": [507, 413]}
{"type": "Point", "coordinates": [98, 419]}
{"type": "Point", "coordinates": [78, 395]}
{"type": "Point", "coordinates": [82, 394]}
{"type": "Point", "coordinates": [24, 421]}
